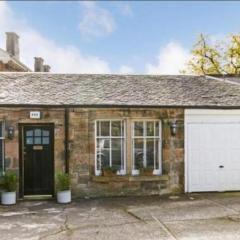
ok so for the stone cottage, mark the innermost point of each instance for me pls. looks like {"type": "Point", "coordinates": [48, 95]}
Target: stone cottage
{"type": "Point", "coordinates": [120, 134]}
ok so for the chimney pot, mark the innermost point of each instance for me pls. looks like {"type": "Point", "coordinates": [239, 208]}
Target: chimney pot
{"type": "Point", "coordinates": [46, 68]}
{"type": "Point", "coordinates": [38, 64]}
{"type": "Point", "coordinates": [12, 44]}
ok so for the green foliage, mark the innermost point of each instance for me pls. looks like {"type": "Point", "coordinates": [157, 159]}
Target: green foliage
{"type": "Point", "coordinates": [63, 181]}
{"type": "Point", "coordinates": [232, 56]}
{"type": "Point", "coordinates": [9, 182]}
{"type": "Point", "coordinates": [112, 169]}
{"type": "Point", "coordinates": [219, 58]}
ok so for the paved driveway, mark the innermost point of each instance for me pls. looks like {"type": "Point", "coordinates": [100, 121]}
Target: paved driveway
{"type": "Point", "coordinates": [199, 216]}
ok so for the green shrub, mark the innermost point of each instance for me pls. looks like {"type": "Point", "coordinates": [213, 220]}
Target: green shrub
{"type": "Point", "coordinates": [9, 182]}
{"type": "Point", "coordinates": [63, 181]}
{"type": "Point", "coordinates": [112, 169]}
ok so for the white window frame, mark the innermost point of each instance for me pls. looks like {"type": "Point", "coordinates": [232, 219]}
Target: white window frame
{"type": "Point", "coordinates": [145, 137]}
{"type": "Point", "coordinates": [3, 147]}
{"type": "Point", "coordinates": [122, 171]}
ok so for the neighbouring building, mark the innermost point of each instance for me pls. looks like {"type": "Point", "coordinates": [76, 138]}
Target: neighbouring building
{"type": "Point", "coordinates": [10, 58]}
{"type": "Point", "coordinates": [120, 134]}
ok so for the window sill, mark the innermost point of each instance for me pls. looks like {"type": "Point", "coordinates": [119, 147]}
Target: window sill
{"type": "Point", "coordinates": [128, 178]}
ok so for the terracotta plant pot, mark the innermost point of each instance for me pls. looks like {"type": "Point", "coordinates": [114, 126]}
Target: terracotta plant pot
{"type": "Point", "coordinates": [147, 171]}
{"type": "Point", "coordinates": [107, 173]}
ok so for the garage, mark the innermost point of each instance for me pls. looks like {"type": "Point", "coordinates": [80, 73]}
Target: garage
{"type": "Point", "coordinates": [212, 150]}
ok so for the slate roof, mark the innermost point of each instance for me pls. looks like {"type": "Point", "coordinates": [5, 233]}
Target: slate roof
{"type": "Point", "coordinates": [116, 90]}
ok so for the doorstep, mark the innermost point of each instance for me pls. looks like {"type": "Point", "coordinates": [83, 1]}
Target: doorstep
{"type": "Point", "coordinates": [37, 197]}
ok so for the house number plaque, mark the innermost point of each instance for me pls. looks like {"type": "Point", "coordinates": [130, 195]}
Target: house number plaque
{"type": "Point", "coordinates": [35, 114]}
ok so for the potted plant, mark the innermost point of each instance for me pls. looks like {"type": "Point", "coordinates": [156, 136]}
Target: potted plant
{"type": "Point", "coordinates": [137, 168]}
{"type": "Point", "coordinates": [9, 184]}
{"type": "Point", "coordinates": [109, 171]}
{"type": "Point", "coordinates": [147, 171]}
{"type": "Point", "coordinates": [63, 188]}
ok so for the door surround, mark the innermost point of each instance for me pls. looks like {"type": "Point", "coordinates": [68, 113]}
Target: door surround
{"type": "Point", "coordinates": [21, 152]}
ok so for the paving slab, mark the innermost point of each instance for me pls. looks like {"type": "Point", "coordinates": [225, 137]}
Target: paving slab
{"type": "Point", "coordinates": [207, 229]}
{"type": "Point", "coordinates": [228, 199]}
{"type": "Point", "coordinates": [194, 216]}
{"type": "Point", "coordinates": [146, 231]}
{"type": "Point", "coordinates": [182, 210]}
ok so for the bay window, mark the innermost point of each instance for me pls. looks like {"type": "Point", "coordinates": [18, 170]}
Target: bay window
{"type": "Point", "coordinates": [146, 146]}
{"type": "Point", "coordinates": [110, 146]}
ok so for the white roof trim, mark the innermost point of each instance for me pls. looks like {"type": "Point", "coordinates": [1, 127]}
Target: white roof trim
{"type": "Point", "coordinates": [222, 80]}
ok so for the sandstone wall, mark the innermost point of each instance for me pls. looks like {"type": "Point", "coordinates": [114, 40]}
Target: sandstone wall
{"type": "Point", "coordinates": [82, 154]}
{"type": "Point", "coordinates": [82, 149]}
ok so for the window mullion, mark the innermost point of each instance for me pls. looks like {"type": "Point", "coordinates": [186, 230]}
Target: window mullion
{"type": "Point", "coordinates": [122, 157]}
{"type": "Point", "coordinates": [144, 144]}
{"type": "Point", "coordinates": [154, 146]}
{"type": "Point", "coordinates": [133, 145]}
{"type": "Point", "coordinates": [110, 143]}
{"type": "Point", "coordinates": [2, 147]}
{"type": "Point", "coordinates": [160, 146]}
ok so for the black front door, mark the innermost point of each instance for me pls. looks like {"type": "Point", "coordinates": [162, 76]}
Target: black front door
{"type": "Point", "coordinates": [38, 163]}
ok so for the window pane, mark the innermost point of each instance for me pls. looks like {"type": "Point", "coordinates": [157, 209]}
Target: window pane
{"type": "Point", "coordinates": [117, 128]}
{"type": "Point", "coordinates": [1, 129]}
{"type": "Point", "coordinates": [138, 128]}
{"type": "Point", "coordinates": [105, 156]}
{"type": "Point", "coordinates": [138, 153]}
{"type": "Point", "coordinates": [103, 152]}
{"type": "Point", "coordinates": [1, 157]}
{"type": "Point", "coordinates": [98, 129]}
{"type": "Point", "coordinates": [37, 132]}
{"type": "Point", "coordinates": [103, 143]}
{"type": "Point", "coordinates": [150, 152]}
{"type": "Point", "coordinates": [150, 128]}
{"type": "Point", "coordinates": [29, 133]}
{"type": "Point", "coordinates": [105, 128]}
{"type": "Point", "coordinates": [29, 140]}
{"type": "Point", "coordinates": [45, 133]}
{"type": "Point", "coordinates": [37, 140]}
{"type": "Point", "coordinates": [157, 154]}
{"type": "Point", "coordinates": [157, 128]}
{"type": "Point", "coordinates": [45, 140]}
{"type": "Point", "coordinates": [117, 150]}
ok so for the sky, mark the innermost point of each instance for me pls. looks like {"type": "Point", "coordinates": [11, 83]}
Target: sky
{"type": "Point", "coordinates": [122, 37]}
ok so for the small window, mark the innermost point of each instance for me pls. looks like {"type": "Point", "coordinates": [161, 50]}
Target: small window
{"type": "Point", "coordinates": [110, 146]}
{"type": "Point", "coordinates": [1, 148]}
{"type": "Point", "coordinates": [146, 146]}
{"type": "Point", "coordinates": [37, 137]}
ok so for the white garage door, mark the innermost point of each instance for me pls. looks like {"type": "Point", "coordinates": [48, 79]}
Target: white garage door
{"type": "Point", "coordinates": [212, 150]}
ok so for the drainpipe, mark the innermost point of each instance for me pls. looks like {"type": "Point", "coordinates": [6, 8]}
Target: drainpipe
{"type": "Point", "coordinates": [66, 127]}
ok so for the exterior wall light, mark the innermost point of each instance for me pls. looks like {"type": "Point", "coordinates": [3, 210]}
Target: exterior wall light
{"type": "Point", "coordinates": [173, 128]}
{"type": "Point", "coordinates": [10, 132]}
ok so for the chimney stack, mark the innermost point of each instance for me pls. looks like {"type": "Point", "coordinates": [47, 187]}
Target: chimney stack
{"type": "Point", "coordinates": [12, 44]}
{"type": "Point", "coordinates": [46, 68]}
{"type": "Point", "coordinates": [38, 65]}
